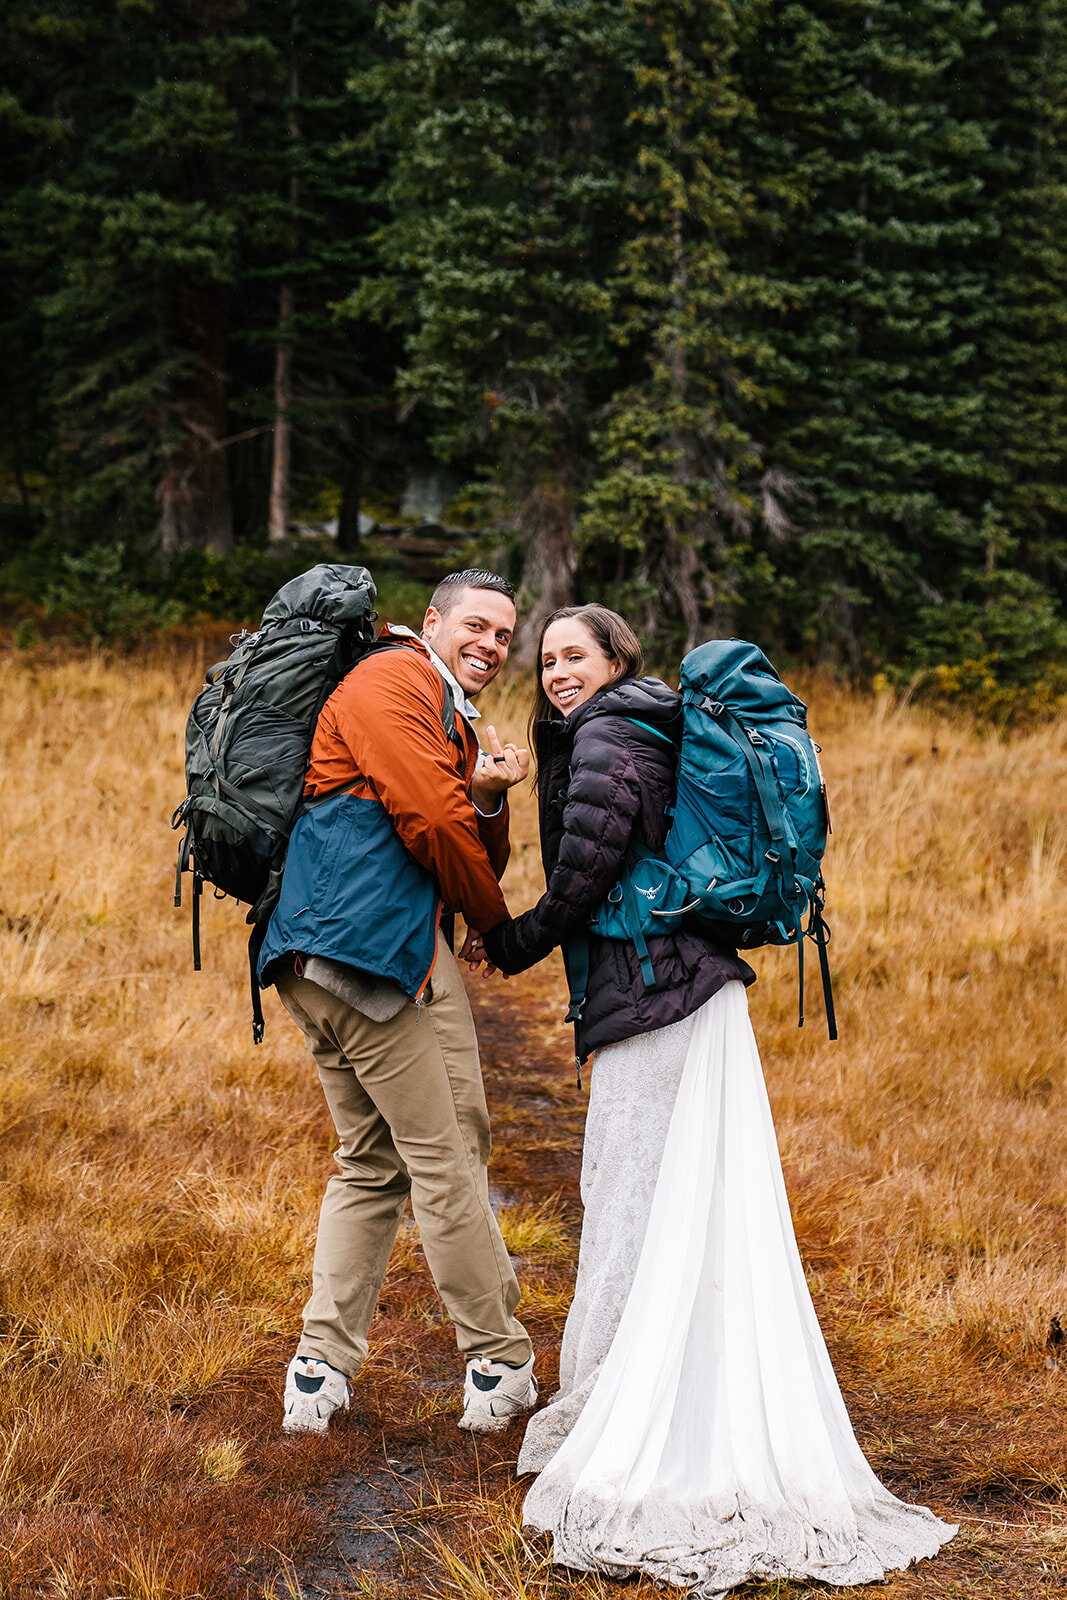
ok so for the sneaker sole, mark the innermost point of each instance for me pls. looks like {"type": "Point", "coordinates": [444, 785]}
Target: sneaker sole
{"type": "Point", "coordinates": [482, 1422]}
{"type": "Point", "coordinates": [305, 1419]}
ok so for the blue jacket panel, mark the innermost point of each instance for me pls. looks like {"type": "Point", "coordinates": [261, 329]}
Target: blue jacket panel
{"type": "Point", "coordinates": [351, 891]}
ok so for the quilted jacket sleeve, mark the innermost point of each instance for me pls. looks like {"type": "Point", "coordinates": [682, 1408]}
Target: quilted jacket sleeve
{"type": "Point", "coordinates": [603, 801]}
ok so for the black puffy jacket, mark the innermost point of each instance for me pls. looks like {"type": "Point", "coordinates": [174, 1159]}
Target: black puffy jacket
{"type": "Point", "coordinates": [604, 781]}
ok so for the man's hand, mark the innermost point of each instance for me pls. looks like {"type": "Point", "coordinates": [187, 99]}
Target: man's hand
{"type": "Point", "coordinates": [498, 769]}
{"type": "Point", "coordinates": [473, 950]}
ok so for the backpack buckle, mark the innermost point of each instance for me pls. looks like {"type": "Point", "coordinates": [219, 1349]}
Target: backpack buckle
{"type": "Point", "coordinates": [754, 737]}
{"type": "Point", "coordinates": [714, 708]}
{"type": "Point", "coordinates": [773, 856]}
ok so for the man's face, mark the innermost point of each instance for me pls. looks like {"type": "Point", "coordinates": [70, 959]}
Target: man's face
{"type": "Point", "coordinates": [473, 638]}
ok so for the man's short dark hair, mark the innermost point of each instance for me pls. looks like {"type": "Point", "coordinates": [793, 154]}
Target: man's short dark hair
{"type": "Point", "coordinates": [452, 585]}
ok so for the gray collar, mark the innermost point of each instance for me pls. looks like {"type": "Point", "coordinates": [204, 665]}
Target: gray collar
{"type": "Point", "coordinates": [465, 707]}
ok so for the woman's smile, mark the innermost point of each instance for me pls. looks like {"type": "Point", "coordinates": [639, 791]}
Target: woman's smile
{"type": "Point", "coordinates": [574, 665]}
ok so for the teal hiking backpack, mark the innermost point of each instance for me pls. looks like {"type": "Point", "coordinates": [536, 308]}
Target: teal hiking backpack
{"type": "Point", "coordinates": [750, 824]}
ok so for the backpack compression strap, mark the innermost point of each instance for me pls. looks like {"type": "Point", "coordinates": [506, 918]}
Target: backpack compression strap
{"type": "Point", "coordinates": [751, 744]}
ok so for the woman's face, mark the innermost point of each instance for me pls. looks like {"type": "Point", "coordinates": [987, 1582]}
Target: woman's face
{"type": "Point", "coordinates": [573, 665]}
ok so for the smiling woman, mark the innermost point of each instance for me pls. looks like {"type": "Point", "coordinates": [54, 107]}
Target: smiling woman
{"type": "Point", "coordinates": [583, 649]}
{"type": "Point", "coordinates": [698, 1435]}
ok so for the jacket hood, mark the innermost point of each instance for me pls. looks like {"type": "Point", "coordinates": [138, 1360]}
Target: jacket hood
{"type": "Point", "coordinates": [647, 700]}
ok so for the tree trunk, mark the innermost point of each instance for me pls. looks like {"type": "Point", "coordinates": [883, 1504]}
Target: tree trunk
{"type": "Point", "coordinates": [549, 571]}
{"type": "Point", "coordinates": [283, 356]}
{"type": "Point", "coordinates": [680, 558]}
{"type": "Point", "coordinates": [348, 535]}
{"type": "Point", "coordinates": [194, 494]}
{"type": "Point", "coordinates": [283, 399]}
{"type": "Point", "coordinates": [683, 564]}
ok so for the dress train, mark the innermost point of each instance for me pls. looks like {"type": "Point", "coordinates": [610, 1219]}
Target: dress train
{"type": "Point", "coordinates": [710, 1444]}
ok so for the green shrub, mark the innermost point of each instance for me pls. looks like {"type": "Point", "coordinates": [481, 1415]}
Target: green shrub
{"type": "Point", "coordinates": [94, 597]}
{"type": "Point", "coordinates": [1001, 651]}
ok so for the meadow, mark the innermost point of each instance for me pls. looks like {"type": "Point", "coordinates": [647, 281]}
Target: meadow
{"type": "Point", "coordinates": [161, 1175]}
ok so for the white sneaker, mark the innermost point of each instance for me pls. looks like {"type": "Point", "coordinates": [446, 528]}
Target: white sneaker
{"type": "Point", "coordinates": [313, 1392]}
{"type": "Point", "coordinates": [495, 1393]}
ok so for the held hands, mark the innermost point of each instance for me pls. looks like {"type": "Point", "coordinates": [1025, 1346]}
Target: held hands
{"type": "Point", "coordinates": [473, 951]}
{"type": "Point", "coordinates": [498, 769]}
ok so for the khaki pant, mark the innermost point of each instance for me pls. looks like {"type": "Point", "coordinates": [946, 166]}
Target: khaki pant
{"type": "Point", "coordinates": [407, 1101]}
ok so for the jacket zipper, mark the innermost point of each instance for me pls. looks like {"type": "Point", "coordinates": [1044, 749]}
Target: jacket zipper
{"type": "Point", "coordinates": [422, 986]}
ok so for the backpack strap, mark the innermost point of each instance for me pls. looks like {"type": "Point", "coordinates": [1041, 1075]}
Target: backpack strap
{"type": "Point", "coordinates": [752, 745]}
{"type": "Point", "coordinates": [576, 961]}
{"type": "Point", "coordinates": [255, 945]}
{"type": "Point", "coordinates": [198, 895]}
{"type": "Point", "coordinates": [650, 729]}
{"type": "Point", "coordinates": [577, 954]}
{"type": "Point", "coordinates": [820, 932]}
{"type": "Point", "coordinates": [636, 932]}
{"type": "Point", "coordinates": [448, 717]}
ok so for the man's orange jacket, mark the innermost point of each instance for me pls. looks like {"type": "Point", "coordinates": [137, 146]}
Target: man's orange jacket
{"type": "Point", "coordinates": [396, 834]}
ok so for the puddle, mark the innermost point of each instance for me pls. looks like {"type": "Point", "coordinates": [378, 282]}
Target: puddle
{"type": "Point", "coordinates": [361, 1510]}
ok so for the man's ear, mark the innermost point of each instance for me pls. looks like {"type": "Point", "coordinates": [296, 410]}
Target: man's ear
{"type": "Point", "coordinates": [429, 623]}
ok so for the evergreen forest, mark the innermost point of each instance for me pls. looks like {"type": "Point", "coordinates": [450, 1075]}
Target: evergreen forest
{"type": "Point", "coordinates": [745, 317]}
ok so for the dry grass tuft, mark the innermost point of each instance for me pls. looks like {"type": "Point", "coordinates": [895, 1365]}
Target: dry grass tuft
{"type": "Point", "coordinates": [537, 1231]}
{"type": "Point", "coordinates": [161, 1176]}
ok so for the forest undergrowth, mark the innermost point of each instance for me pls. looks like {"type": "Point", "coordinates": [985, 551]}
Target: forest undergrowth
{"type": "Point", "coordinates": [161, 1176]}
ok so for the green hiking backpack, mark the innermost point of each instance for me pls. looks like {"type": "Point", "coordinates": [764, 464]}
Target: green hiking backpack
{"type": "Point", "coordinates": [743, 856]}
{"type": "Point", "coordinates": [248, 739]}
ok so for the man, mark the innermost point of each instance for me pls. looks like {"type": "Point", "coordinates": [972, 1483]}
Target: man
{"type": "Point", "coordinates": [407, 819]}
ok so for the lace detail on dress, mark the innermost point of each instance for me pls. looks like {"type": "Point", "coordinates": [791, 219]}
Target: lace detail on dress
{"type": "Point", "coordinates": [632, 1090]}
{"type": "Point", "coordinates": [700, 1435]}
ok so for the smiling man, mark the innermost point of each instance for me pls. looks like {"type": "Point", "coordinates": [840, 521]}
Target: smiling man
{"type": "Point", "coordinates": [406, 818]}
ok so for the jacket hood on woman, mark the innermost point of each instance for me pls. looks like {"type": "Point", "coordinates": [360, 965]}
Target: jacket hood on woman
{"type": "Point", "coordinates": [606, 775]}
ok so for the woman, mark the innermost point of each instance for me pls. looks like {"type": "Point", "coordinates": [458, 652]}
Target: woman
{"type": "Point", "coordinates": [699, 1435]}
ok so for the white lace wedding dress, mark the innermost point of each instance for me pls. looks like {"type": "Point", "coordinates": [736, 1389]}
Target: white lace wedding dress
{"type": "Point", "coordinates": [699, 1435]}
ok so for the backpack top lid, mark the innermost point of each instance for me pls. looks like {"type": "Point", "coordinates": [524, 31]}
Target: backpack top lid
{"type": "Point", "coordinates": [326, 593]}
{"type": "Point", "coordinates": [739, 674]}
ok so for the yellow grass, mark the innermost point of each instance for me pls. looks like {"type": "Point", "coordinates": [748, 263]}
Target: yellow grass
{"type": "Point", "coordinates": [161, 1175]}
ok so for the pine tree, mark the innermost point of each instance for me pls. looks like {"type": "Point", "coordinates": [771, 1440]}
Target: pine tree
{"type": "Point", "coordinates": [329, 381]}
{"type": "Point", "coordinates": [882, 263]}
{"type": "Point", "coordinates": [509, 122]}
{"type": "Point", "coordinates": [683, 477]}
{"type": "Point", "coordinates": [1025, 353]}
{"type": "Point", "coordinates": [162, 209]}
